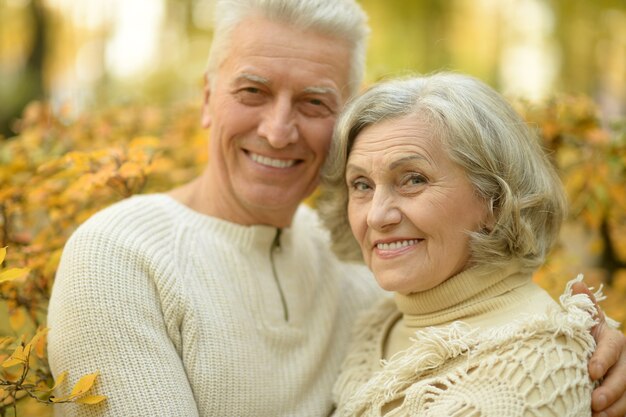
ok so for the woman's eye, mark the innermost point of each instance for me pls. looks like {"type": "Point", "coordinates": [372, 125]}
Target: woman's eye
{"type": "Point", "coordinates": [415, 179]}
{"type": "Point", "coordinates": [360, 185]}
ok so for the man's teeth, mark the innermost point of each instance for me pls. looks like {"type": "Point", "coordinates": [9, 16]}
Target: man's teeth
{"type": "Point", "coordinates": [276, 163]}
{"type": "Point", "coordinates": [396, 245]}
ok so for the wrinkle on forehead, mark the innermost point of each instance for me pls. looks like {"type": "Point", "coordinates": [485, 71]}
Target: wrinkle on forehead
{"type": "Point", "coordinates": [281, 40]}
{"type": "Point", "coordinates": [397, 144]}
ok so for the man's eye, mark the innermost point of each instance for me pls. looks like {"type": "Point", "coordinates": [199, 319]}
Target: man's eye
{"type": "Point", "coordinates": [315, 107]}
{"type": "Point", "coordinates": [251, 96]}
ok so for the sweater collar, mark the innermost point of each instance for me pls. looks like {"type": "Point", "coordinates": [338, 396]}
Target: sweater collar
{"type": "Point", "coordinates": [471, 292]}
{"type": "Point", "coordinates": [245, 236]}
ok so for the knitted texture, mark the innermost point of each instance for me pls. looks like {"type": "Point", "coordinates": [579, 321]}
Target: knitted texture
{"type": "Point", "coordinates": [184, 314]}
{"type": "Point", "coordinates": [534, 365]}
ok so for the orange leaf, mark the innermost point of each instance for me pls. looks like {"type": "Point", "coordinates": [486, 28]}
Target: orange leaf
{"type": "Point", "coordinates": [39, 341]}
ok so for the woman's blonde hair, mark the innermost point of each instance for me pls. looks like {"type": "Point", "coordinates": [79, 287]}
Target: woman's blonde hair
{"type": "Point", "coordinates": [482, 133]}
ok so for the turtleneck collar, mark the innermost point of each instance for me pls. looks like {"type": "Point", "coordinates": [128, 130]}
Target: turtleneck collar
{"type": "Point", "coordinates": [469, 293]}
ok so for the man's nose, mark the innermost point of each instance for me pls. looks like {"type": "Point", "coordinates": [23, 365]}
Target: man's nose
{"type": "Point", "coordinates": [278, 124]}
{"type": "Point", "coordinates": [384, 212]}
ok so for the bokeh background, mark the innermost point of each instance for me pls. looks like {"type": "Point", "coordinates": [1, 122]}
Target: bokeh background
{"type": "Point", "coordinates": [99, 100]}
{"type": "Point", "coordinates": [96, 53]}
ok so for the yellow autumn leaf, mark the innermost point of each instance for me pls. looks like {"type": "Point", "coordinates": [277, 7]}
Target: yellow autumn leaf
{"type": "Point", "coordinates": [54, 399]}
{"type": "Point", "coordinates": [91, 399]}
{"type": "Point", "coordinates": [19, 356]}
{"type": "Point", "coordinates": [13, 273]}
{"type": "Point", "coordinates": [84, 384]}
{"type": "Point", "coordinates": [3, 254]}
{"type": "Point", "coordinates": [12, 375]}
{"type": "Point", "coordinates": [79, 160]}
{"type": "Point", "coordinates": [39, 342]}
{"type": "Point", "coordinates": [98, 179]}
{"type": "Point", "coordinates": [59, 380]}
{"type": "Point", "coordinates": [17, 318]}
{"type": "Point", "coordinates": [144, 142]}
{"type": "Point", "coordinates": [130, 170]}
{"type": "Point", "coordinates": [42, 387]}
{"type": "Point", "coordinates": [40, 348]}
{"type": "Point", "coordinates": [52, 262]}
{"type": "Point", "coordinates": [5, 340]}
{"type": "Point", "coordinates": [50, 167]}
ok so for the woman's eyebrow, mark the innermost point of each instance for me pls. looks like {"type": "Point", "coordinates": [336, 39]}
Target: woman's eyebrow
{"type": "Point", "coordinates": [409, 158]}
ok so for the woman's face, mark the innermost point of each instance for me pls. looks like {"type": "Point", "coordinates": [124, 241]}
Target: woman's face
{"type": "Point", "coordinates": [410, 206]}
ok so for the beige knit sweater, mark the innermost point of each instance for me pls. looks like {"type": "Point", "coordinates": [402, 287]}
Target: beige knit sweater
{"type": "Point", "coordinates": [188, 315]}
{"type": "Point", "coordinates": [482, 344]}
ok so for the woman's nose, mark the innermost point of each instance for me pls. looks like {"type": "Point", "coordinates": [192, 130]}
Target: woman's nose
{"type": "Point", "coordinates": [384, 212]}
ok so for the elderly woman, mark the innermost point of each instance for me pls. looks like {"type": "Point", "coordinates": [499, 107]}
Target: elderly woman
{"type": "Point", "coordinates": [453, 205]}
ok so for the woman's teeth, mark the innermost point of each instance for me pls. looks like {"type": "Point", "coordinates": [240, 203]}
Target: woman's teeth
{"type": "Point", "coordinates": [396, 245]}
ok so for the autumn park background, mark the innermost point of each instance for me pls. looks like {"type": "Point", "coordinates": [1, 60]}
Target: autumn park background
{"type": "Point", "coordinates": [99, 100]}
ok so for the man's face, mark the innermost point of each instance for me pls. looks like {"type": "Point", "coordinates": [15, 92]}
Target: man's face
{"type": "Point", "coordinates": [271, 107]}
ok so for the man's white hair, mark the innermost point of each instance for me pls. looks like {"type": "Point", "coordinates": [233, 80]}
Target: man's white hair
{"type": "Point", "coordinates": [341, 19]}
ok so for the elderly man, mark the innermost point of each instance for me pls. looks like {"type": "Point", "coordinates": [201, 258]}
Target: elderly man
{"type": "Point", "coordinates": [222, 297]}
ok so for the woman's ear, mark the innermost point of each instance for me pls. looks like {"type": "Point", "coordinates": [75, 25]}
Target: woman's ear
{"type": "Point", "coordinates": [205, 118]}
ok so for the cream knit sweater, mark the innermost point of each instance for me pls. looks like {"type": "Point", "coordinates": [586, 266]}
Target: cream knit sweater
{"type": "Point", "coordinates": [188, 315]}
{"type": "Point", "coordinates": [515, 352]}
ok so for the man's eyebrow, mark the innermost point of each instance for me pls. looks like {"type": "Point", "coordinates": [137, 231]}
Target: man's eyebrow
{"type": "Point", "coordinates": [252, 77]}
{"type": "Point", "coordinates": [321, 90]}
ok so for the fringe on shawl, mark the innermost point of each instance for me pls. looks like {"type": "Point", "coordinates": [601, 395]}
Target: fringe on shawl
{"type": "Point", "coordinates": [433, 346]}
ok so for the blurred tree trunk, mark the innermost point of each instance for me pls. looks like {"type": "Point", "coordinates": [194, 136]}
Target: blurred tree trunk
{"type": "Point", "coordinates": [29, 84]}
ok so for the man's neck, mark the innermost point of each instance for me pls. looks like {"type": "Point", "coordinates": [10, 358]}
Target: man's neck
{"type": "Point", "coordinates": [199, 196]}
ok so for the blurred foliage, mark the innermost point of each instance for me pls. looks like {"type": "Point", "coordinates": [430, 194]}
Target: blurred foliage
{"type": "Point", "coordinates": [61, 163]}
{"type": "Point", "coordinates": [591, 159]}
{"type": "Point", "coordinates": [65, 50]}
{"type": "Point", "coordinates": [54, 174]}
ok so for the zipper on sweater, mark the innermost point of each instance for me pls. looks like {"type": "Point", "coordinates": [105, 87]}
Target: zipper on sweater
{"type": "Point", "coordinates": [276, 248]}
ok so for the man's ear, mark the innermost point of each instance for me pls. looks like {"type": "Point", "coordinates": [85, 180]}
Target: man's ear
{"type": "Point", "coordinates": [205, 118]}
